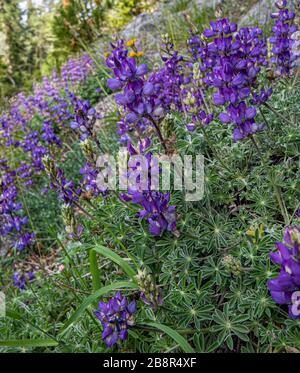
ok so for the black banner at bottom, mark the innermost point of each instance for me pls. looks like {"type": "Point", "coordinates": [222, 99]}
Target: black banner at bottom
{"type": "Point", "coordinates": [137, 362]}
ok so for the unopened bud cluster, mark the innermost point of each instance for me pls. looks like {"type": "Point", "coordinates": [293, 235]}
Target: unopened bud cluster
{"type": "Point", "coordinates": [88, 150]}
{"type": "Point", "coordinates": [72, 228]}
{"type": "Point", "coordinates": [232, 265]}
{"type": "Point", "coordinates": [150, 293]}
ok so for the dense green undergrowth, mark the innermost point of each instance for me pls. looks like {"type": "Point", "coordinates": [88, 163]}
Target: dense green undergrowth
{"type": "Point", "coordinates": [212, 271]}
{"type": "Point", "coordinates": [216, 305]}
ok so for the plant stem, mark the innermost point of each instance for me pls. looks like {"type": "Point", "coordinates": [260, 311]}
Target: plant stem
{"type": "Point", "coordinates": [83, 210]}
{"type": "Point", "coordinates": [159, 134]}
{"type": "Point", "coordinates": [278, 114]}
{"type": "Point", "coordinates": [212, 149]}
{"type": "Point", "coordinates": [181, 331]}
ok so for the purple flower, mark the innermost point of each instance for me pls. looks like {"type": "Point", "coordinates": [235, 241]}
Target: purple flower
{"type": "Point", "coordinates": [154, 299]}
{"type": "Point", "coordinates": [284, 54]}
{"type": "Point", "coordinates": [20, 280]}
{"type": "Point", "coordinates": [64, 187]}
{"type": "Point", "coordinates": [230, 64]}
{"type": "Point", "coordinates": [116, 316]}
{"type": "Point", "coordinates": [144, 100]}
{"type": "Point", "coordinates": [84, 118]}
{"type": "Point", "coordinates": [190, 126]}
{"type": "Point", "coordinates": [12, 223]}
{"type": "Point", "coordinates": [284, 286]}
{"type": "Point", "coordinates": [155, 206]}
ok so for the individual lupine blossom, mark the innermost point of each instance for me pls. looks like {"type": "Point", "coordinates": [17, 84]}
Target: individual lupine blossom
{"type": "Point", "coordinates": [150, 293]}
{"type": "Point", "coordinates": [143, 100]}
{"type": "Point", "coordinates": [58, 182]}
{"type": "Point", "coordinates": [72, 228]}
{"type": "Point", "coordinates": [85, 117]}
{"type": "Point", "coordinates": [196, 46]}
{"type": "Point", "coordinates": [20, 280]}
{"type": "Point", "coordinates": [12, 221]}
{"type": "Point", "coordinates": [284, 53]}
{"type": "Point", "coordinates": [284, 286]}
{"type": "Point", "coordinates": [116, 316]}
{"type": "Point", "coordinates": [262, 97]}
{"type": "Point", "coordinates": [90, 171]}
{"type": "Point", "coordinates": [143, 177]}
{"type": "Point", "coordinates": [232, 62]}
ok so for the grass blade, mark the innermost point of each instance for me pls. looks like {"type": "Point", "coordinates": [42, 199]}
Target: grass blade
{"type": "Point", "coordinates": [28, 343]}
{"type": "Point", "coordinates": [94, 268]}
{"type": "Point", "coordinates": [182, 342]}
{"type": "Point", "coordinates": [108, 253]}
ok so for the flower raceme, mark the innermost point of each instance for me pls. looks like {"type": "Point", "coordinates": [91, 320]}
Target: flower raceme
{"type": "Point", "coordinates": [284, 53]}
{"type": "Point", "coordinates": [287, 283]}
{"type": "Point", "coordinates": [12, 222]}
{"type": "Point", "coordinates": [144, 99]}
{"type": "Point", "coordinates": [116, 316]}
{"type": "Point", "coordinates": [231, 63]}
{"type": "Point", "coordinates": [155, 205]}
{"type": "Point", "coordinates": [64, 187]}
{"type": "Point", "coordinates": [85, 117]}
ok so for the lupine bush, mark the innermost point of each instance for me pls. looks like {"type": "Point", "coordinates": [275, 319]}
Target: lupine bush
{"type": "Point", "coordinates": [146, 270]}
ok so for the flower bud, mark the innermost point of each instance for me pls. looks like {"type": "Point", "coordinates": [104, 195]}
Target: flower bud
{"type": "Point", "coordinates": [50, 167]}
{"type": "Point", "coordinates": [150, 293]}
{"type": "Point", "coordinates": [71, 227]}
{"type": "Point", "coordinates": [87, 149]}
{"type": "Point", "coordinates": [232, 265]}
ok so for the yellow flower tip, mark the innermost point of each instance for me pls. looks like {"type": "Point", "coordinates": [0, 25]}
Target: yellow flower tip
{"type": "Point", "coordinates": [140, 54]}
{"type": "Point", "coordinates": [131, 42]}
{"type": "Point", "coordinates": [261, 230]}
{"type": "Point", "coordinates": [106, 54]}
{"type": "Point", "coordinates": [250, 232]}
{"type": "Point", "coordinates": [132, 54]}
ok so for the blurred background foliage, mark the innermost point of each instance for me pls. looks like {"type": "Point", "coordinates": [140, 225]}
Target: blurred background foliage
{"type": "Point", "coordinates": [37, 36]}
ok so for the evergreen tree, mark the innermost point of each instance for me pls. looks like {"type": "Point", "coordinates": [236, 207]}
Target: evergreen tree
{"type": "Point", "coordinates": [13, 28]}
{"type": "Point", "coordinates": [77, 22]}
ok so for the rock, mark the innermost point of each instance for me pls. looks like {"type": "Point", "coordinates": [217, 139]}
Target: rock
{"type": "Point", "coordinates": [147, 27]}
{"type": "Point", "coordinates": [105, 107]}
{"type": "Point", "coordinates": [260, 12]}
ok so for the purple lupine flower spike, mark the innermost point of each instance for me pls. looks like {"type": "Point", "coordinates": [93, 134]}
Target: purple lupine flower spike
{"type": "Point", "coordinates": [116, 316]}
{"type": "Point", "coordinates": [231, 61]}
{"type": "Point", "coordinates": [286, 286]}
{"type": "Point", "coordinates": [284, 46]}
{"type": "Point", "coordinates": [21, 280]}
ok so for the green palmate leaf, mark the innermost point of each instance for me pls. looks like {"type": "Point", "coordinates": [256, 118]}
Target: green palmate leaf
{"type": "Point", "coordinates": [89, 300]}
{"type": "Point", "coordinates": [28, 343]}
{"type": "Point", "coordinates": [229, 342]}
{"type": "Point", "coordinates": [186, 347]}
{"type": "Point", "coordinates": [108, 253]}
